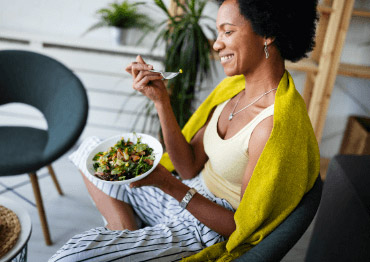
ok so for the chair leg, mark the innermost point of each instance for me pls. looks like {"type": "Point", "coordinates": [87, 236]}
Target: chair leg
{"type": "Point", "coordinates": [40, 207]}
{"type": "Point", "coordinates": [55, 180]}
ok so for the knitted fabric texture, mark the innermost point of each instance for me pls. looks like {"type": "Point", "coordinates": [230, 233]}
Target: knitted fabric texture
{"type": "Point", "coordinates": [285, 171]}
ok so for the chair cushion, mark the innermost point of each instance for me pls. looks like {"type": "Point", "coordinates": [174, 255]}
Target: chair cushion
{"type": "Point", "coordinates": [21, 149]}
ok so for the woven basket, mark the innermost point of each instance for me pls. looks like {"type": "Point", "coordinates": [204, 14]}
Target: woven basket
{"type": "Point", "coordinates": [10, 229]}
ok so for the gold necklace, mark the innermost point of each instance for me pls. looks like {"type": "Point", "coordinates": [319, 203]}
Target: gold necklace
{"type": "Point", "coordinates": [232, 114]}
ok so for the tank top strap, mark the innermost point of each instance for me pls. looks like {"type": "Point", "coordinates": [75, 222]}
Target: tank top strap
{"type": "Point", "coordinates": [265, 113]}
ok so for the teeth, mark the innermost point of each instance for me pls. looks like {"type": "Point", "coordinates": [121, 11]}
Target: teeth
{"type": "Point", "coordinates": [227, 57]}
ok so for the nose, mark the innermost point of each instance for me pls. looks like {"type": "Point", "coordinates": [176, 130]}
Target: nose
{"type": "Point", "coordinates": [218, 45]}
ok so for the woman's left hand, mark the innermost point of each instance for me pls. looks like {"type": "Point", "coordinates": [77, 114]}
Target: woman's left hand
{"type": "Point", "coordinates": [158, 178]}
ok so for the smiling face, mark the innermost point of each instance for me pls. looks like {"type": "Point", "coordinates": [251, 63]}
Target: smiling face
{"type": "Point", "coordinates": [239, 47]}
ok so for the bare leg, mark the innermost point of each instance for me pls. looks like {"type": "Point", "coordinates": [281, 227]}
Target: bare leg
{"type": "Point", "coordinates": [118, 213]}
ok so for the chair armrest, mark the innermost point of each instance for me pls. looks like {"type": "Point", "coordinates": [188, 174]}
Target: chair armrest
{"type": "Point", "coordinates": [278, 243]}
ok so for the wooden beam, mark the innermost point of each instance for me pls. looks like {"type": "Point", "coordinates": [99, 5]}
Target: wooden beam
{"type": "Point", "coordinates": [308, 88]}
{"type": "Point", "coordinates": [329, 63]}
{"type": "Point", "coordinates": [324, 164]}
{"type": "Point", "coordinates": [309, 66]}
{"type": "Point", "coordinates": [354, 70]}
{"type": "Point", "coordinates": [361, 13]}
{"type": "Point", "coordinates": [306, 64]}
{"type": "Point", "coordinates": [327, 9]}
{"type": "Point", "coordinates": [315, 55]}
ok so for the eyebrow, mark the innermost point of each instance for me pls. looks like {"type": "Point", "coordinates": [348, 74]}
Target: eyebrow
{"type": "Point", "coordinates": [223, 24]}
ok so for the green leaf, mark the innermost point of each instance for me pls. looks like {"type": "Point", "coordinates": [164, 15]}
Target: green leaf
{"type": "Point", "coordinates": [161, 5]}
{"type": "Point", "coordinates": [116, 171]}
{"type": "Point", "coordinates": [124, 15]}
{"type": "Point", "coordinates": [97, 156]}
{"type": "Point", "coordinates": [188, 48]}
{"type": "Point", "coordinates": [141, 147]}
{"type": "Point", "coordinates": [101, 169]}
{"type": "Point", "coordinates": [119, 162]}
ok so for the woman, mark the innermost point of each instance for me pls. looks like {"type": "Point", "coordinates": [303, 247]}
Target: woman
{"type": "Point", "coordinates": [231, 137]}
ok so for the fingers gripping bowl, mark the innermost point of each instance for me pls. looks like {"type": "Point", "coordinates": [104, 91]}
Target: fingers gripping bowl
{"type": "Point", "coordinates": [123, 159]}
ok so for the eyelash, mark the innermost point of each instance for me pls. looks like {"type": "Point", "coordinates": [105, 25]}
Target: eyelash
{"type": "Point", "coordinates": [226, 33]}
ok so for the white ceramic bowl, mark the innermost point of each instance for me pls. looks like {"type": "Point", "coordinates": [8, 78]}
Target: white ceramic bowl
{"type": "Point", "coordinates": [109, 142]}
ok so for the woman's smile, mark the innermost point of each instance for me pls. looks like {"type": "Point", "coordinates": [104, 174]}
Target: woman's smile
{"type": "Point", "coordinates": [226, 58]}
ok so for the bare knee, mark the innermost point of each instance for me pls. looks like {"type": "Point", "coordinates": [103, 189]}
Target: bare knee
{"type": "Point", "coordinates": [117, 213]}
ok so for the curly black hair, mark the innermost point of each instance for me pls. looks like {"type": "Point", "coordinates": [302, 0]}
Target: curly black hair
{"type": "Point", "coordinates": [292, 23]}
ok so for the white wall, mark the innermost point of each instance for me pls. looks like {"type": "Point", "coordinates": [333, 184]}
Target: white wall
{"type": "Point", "coordinates": [66, 20]}
{"type": "Point", "coordinates": [62, 18]}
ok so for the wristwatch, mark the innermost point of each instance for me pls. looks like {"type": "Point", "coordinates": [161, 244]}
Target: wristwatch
{"type": "Point", "coordinates": [189, 195]}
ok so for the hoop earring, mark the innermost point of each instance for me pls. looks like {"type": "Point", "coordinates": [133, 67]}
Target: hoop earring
{"type": "Point", "coordinates": [266, 50]}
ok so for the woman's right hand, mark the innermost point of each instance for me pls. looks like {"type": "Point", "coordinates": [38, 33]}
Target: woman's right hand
{"type": "Point", "coordinates": [188, 158]}
{"type": "Point", "coordinates": [148, 83]}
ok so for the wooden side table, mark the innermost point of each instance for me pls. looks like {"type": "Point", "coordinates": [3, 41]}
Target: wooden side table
{"type": "Point", "coordinates": [19, 250]}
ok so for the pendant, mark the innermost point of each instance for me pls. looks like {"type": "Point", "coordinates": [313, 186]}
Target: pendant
{"type": "Point", "coordinates": [230, 116]}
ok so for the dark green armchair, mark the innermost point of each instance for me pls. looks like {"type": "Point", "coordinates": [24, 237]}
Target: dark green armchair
{"type": "Point", "coordinates": [278, 243]}
{"type": "Point", "coordinates": [46, 84]}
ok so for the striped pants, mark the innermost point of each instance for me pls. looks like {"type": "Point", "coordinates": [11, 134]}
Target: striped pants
{"type": "Point", "coordinates": [172, 233]}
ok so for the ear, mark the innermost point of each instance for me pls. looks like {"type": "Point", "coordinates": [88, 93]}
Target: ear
{"type": "Point", "coordinates": [269, 40]}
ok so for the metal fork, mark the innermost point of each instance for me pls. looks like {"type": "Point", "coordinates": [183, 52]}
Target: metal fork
{"type": "Point", "coordinates": [167, 75]}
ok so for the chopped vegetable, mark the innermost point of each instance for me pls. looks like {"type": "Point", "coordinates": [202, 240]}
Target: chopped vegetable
{"type": "Point", "coordinates": [124, 160]}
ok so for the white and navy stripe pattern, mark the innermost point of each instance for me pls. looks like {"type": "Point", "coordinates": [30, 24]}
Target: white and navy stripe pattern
{"type": "Point", "coordinates": [172, 233]}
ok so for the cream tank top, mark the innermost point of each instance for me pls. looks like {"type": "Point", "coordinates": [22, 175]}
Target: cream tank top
{"type": "Point", "coordinates": [228, 159]}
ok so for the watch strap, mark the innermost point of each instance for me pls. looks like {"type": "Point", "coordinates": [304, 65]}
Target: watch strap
{"type": "Point", "coordinates": [188, 196]}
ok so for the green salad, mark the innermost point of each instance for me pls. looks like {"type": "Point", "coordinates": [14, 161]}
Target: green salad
{"type": "Point", "coordinates": [124, 160]}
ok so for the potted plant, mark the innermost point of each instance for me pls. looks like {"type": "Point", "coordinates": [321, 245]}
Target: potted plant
{"type": "Point", "coordinates": [123, 18]}
{"type": "Point", "coordinates": [187, 48]}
